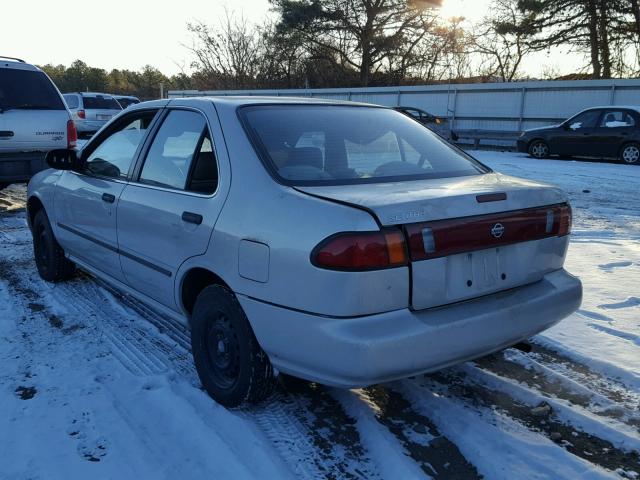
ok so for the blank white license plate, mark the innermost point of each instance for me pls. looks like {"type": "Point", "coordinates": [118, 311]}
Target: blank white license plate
{"type": "Point", "coordinates": [103, 117]}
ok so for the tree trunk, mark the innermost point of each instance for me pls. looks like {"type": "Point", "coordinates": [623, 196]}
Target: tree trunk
{"type": "Point", "coordinates": [635, 9]}
{"type": "Point", "coordinates": [605, 54]}
{"type": "Point", "coordinates": [592, 10]}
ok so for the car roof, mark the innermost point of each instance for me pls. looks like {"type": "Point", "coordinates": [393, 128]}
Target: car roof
{"type": "Point", "coordinates": [17, 64]}
{"type": "Point", "coordinates": [267, 100]}
{"type": "Point", "coordinates": [609, 107]}
{"type": "Point", "coordinates": [89, 94]}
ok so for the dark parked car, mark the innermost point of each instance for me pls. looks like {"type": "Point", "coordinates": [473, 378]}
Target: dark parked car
{"type": "Point", "coordinates": [440, 125]}
{"type": "Point", "coordinates": [601, 132]}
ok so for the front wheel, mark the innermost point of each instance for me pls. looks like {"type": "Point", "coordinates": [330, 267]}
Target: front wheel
{"type": "Point", "coordinates": [52, 264]}
{"type": "Point", "coordinates": [539, 149]}
{"type": "Point", "coordinates": [630, 154]}
{"type": "Point", "coordinates": [231, 365]}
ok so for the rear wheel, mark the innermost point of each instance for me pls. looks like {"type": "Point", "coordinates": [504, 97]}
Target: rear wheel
{"type": "Point", "coordinates": [630, 154]}
{"type": "Point", "coordinates": [51, 262]}
{"type": "Point", "coordinates": [231, 365]}
{"type": "Point", "coordinates": [539, 149]}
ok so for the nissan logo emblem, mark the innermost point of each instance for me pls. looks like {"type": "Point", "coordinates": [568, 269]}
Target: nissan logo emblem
{"type": "Point", "coordinates": [497, 230]}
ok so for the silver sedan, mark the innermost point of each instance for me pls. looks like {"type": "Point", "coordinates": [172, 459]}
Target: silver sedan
{"type": "Point", "coordinates": [341, 243]}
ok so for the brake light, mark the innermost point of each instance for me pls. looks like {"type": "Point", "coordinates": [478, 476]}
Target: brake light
{"type": "Point", "coordinates": [564, 227]}
{"type": "Point", "coordinates": [81, 114]}
{"type": "Point", "coordinates": [358, 251]}
{"type": "Point", "coordinates": [72, 134]}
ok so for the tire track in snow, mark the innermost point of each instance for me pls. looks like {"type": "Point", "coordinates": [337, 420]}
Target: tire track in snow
{"type": "Point", "coordinates": [435, 453]}
{"type": "Point", "coordinates": [615, 390]}
{"type": "Point", "coordinates": [313, 433]}
{"type": "Point", "coordinates": [591, 448]}
{"type": "Point", "coordinates": [516, 366]}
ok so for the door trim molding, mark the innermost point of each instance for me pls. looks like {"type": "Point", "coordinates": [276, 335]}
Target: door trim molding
{"type": "Point", "coordinates": [117, 250]}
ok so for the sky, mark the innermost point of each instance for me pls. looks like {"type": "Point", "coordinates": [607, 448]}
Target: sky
{"type": "Point", "coordinates": [129, 34]}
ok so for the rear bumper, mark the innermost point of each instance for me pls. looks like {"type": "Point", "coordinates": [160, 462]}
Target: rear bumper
{"type": "Point", "coordinates": [20, 166]}
{"type": "Point", "coordinates": [355, 352]}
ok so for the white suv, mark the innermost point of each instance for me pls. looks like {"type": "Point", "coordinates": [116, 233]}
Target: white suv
{"type": "Point", "coordinates": [33, 120]}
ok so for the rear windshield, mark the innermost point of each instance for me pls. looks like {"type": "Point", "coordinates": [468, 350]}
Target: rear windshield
{"type": "Point", "coordinates": [332, 145]}
{"type": "Point", "coordinates": [125, 102]}
{"type": "Point", "coordinates": [100, 103]}
{"type": "Point", "coordinates": [28, 90]}
{"type": "Point", "coordinates": [72, 100]}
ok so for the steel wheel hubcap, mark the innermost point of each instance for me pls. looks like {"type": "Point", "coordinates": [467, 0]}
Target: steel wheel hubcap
{"type": "Point", "coordinates": [223, 352]}
{"type": "Point", "coordinates": [631, 154]}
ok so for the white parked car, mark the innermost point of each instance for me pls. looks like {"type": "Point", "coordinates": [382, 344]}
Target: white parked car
{"type": "Point", "coordinates": [90, 111]}
{"type": "Point", "coordinates": [337, 242]}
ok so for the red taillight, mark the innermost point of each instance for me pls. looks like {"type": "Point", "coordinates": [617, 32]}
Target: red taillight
{"type": "Point", "coordinates": [72, 134]}
{"type": "Point", "coordinates": [564, 227]}
{"type": "Point", "coordinates": [441, 238]}
{"type": "Point", "coordinates": [81, 114]}
{"type": "Point", "coordinates": [357, 251]}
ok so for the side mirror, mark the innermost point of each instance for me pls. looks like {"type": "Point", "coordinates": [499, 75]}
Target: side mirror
{"type": "Point", "coordinates": [63, 159]}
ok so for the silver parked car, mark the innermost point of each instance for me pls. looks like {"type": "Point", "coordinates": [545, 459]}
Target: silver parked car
{"type": "Point", "coordinates": [90, 111]}
{"type": "Point", "coordinates": [337, 242]}
{"type": "Point", "coordinates": [33, 120]}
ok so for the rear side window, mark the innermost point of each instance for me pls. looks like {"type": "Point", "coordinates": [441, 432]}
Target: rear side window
{"type": "Point", "coordinates": [71, 100]}
{"type": "Point", "coordinates": [341, 145]}
{"type": "Point", "coordinates": [181, 155]}
{"type": "Point", "coordinates": [113, 157]}
{"type": "Point", "coordinates": [100, 103]}
{"type": "Point", "coordinates": [28, 90]}
{"type": "Point", "coordinates": [617, 119]}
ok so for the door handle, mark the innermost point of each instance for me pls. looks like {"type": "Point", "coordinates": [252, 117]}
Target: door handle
{"type": "Point", "coordinates": [190, 217]}
{"type": "Point", "coordinates": [107, 197]}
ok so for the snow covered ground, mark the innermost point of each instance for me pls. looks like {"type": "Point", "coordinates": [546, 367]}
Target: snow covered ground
{"type": "Point", "coordinates": [95, 385]}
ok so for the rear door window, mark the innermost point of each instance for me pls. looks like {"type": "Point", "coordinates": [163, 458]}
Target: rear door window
{"type": "Point", "coordinates": [617, 119]}
{"type": "Point", "coordinates": [100, 103]}
{"type": "Point", "coordinates": [181, 156]}
{"type": "Point", "coordinates": [28, 90]}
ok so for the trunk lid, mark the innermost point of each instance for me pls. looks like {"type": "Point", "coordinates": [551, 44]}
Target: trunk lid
{"type": "Point", "coordinates": [489, 230]}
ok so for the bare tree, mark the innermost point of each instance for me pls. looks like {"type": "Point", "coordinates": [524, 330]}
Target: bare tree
{"type": "Point", "coordinates": [501, 40]}
{"type": "Point", "coordinates": [229, 55]}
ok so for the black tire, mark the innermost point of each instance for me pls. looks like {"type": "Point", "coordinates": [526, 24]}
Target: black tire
{"type": "Point", "coordinates": [630, 154]}
{"type": "Point", "coordinates": [52, 264]}
{"type": "Point", "coordinates": [539, 149]}
{"type": "Point", "coordinates": [232, 367]}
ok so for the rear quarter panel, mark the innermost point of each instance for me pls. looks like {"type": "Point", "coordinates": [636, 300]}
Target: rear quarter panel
{"type": "Point", "coordinates": [291, 224]}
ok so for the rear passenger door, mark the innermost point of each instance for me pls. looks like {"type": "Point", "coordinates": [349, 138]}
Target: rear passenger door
{"type": "Point", "coordinates": [616, 127]}
{"type": "Point", "coordinates": [167, 215]}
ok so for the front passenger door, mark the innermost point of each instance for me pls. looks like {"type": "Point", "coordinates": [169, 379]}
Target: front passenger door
{"type": "Point", "coordinates": [168, 215]}
{"type": "Point", "coordinates": [576, 135]}
{"type": "Point", "coordinates": [86, 201]}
